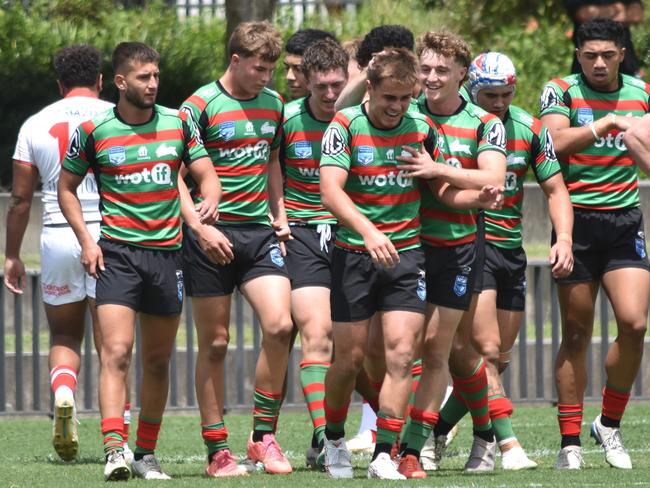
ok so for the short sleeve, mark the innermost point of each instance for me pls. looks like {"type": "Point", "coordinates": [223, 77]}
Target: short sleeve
{"type": "Point", "coordinates": [336, 145]}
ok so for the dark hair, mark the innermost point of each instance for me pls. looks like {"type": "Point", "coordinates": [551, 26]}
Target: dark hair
{"type": "Point", "coordinates": [601, 29]}
{"type": "Point", "coordinates": [127, 52]}
{"type": "Point", "coordinates": [78, 65]}
{"type": "Point", "coordinates": [303, 38]}
{"type": "Point", "coordinates": [383, 37]}
{"type": "Point", "coordinates": [255, 38]}
{"type": "Point", "coordinates": [324, 55]}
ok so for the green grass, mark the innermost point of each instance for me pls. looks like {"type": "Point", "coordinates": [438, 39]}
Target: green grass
{"type": "Point", "coordinates": [27, 458]}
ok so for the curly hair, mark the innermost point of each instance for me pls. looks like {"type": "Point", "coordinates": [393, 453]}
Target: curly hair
{"type": "Point", "coordinates": [447, 44]}
{"type": "Point", "coordinates": [322, 56]}
{"type": "Point", "coordinates": [303, 38]}
{"type": "Point", "coordinates": [399, 64]}
{"type": "Point", "coordinates": [383, 37]}
{"type": "Point", "coordinates": [256, 39]}
{"type": "Point", "coordinates": [78, 65]}
{"type": "Point", "coordinates": [601, 29]}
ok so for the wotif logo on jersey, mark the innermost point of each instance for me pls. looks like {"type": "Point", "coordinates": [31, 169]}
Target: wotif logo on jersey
{"type": "Point", "coordinates": [610, 141]}
{"type": "Point", "coordinates": [160, 174]}
{"type": "Point", "coordinates": [116, 155]}
{"type": "Point", "coordinates": [585, 116]}
{"type": "Point", "coordinates": [365, 155]}
{"type": "Point", "coordinates": [401, 179]}
{"type": "Point", "coordinates": [303, 149]}
{"type": "Point", "coordinates": [259, 151]}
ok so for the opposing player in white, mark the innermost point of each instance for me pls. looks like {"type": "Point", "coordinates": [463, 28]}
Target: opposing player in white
{"type": "Point", "coordinates": [66, 288]}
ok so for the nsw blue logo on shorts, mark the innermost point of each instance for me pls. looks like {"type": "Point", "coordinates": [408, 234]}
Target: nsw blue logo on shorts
{"type": "Point", "coordinates": [422, 287]}
{"type": "Point", "coordinates": [460, 285]}
{"type": "Point", "coordinates": [639, 245]}
{"type": "Point", "coordinates": [179, 284]}
{"type": "Point", "coordinates": [276, 255]}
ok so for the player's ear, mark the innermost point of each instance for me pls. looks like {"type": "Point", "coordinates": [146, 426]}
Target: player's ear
{"type": "Point", "coordinates": [100, 83]}
{"type": "Point", "coordinates": [62, 90]}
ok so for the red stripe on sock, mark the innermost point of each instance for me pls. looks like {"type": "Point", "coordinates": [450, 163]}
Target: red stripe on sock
{"type": "Point", "coordinates": [391, 424]}
{"type": "Point", "coordinates": [570, 418]}
{"type": "Point", "coordinates": [313, 388]}
{"type": "Point", "coordinates": [416, 369]}
{"type": "Point", "coordinates": [500, 407]}
{"type": "Point", "coordinates": [63, 376]}
{"type": "Point", "coordinates": [614, 403]}
{"type": "Point", "coordinates": [275, 396]}
{"type": "Point", "coordinates": [334, 416]}
{"type": "Point", "coordinates": [147, 434]}
{"type": "Point", "coordinates": [424, 416]}
{"type": "Point", "coordinates": [214, 435]}
{"type": "Point", "coordinates": [112, 424]}
{"type": "Point", "coordinates": [304, 364]}
{"type": "Point", "coordinates": [316, 405]}
{"type": "Point", "coordinates": [471, 379]}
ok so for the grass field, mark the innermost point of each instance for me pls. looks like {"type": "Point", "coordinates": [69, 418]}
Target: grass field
{"type": "Point", "coordinates": [27, 459]}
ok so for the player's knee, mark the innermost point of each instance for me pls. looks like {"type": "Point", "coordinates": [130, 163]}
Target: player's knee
{"type": "Point", "coordinates": [633, 330]}
{"type": "Point", "coordinates": [156, 364]}
{"type": "Point", "coordinates": [280, 332]}
{"type": "Point", "coordinates": [116, 356]}
{"type": "Point", "coordinates": [490, 352]}
{"type": "Point", "coordinates": [576, 340]}
{"type": "Point", "coordinates": [217, 349]}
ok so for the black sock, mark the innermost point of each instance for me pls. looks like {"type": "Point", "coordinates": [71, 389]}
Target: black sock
{"type": "Point", "coordinates": [442, 427]}
{"type": "Point", "coordinates": [332, 436]}
{"type": "Point", "coordinates": [137, 456]}
{"type": "Point", "coordinates": [486, 435]}
{"type": "Point", "coordinates": [258, 435]}
{"type": "Point", "coordinates": [570, 440]}
{"type": "Point", "coordinates": [412, 451]}
{"type": "Point", "coordinates": [379, 448]}
{"type": "Point", "coordinates": [314, 440]}
{"type": "Point", "coordinates": [609, 422]}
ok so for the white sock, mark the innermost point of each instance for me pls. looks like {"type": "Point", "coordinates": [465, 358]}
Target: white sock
{"type": "Point", "coordinates": [368, 419]}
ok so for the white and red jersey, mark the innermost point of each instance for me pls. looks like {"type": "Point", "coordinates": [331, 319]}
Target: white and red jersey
{"type": "Point", "coordinates": [42, 143]}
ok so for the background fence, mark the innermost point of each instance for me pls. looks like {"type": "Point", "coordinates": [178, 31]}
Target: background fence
{"type": "Point", "coordinates": [24, 374]}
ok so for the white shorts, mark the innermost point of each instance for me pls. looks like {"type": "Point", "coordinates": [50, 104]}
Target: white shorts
{"type": "Point", "coordinates": [63, 278]}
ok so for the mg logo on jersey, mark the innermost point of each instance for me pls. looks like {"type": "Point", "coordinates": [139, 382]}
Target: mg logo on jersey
{"type": "Point", "coordinates": [549, 98]}
{"type": "Point", "coordinates": [549, 148]}
{"type": "Point", "coordinates": [143, 153]}
{"type": "Point", "coordinates": [267, 129]}
{"type": "Point", "coordinates": [116, 155]}
{"type": "Point", "coordinates": [227, 130]}
{"type": "Point", "coordinates": [160, 174]}
{"type": "Point", "coordinates": [401, 179]}
{"type": "Point", "coordinates": [585, 116]}
{"type": "Point", "coordinates": [333, 142]}
{"type": "Point", "coordinates": [612, 142]}
{"type": "Point", "coordinates": [165, 150]}
{"type": "Point", "coordinates": [260, 151]}
{"type": "Point", "coordinates": [365, 155]}
{"type": "Point", "coordinates": [458, 147]}
{"type": "Point", "coordinates": [497, 136]}
{"type": "Point", "coordinates": [303, 149]}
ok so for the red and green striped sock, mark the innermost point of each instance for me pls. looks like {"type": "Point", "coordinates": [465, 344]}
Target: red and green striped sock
{"type": "Point", "coordinates": [266, 408]}
{"type": "Point", "coordinates": [215, 437]}
{"type": "Point", "coordinates": [388, 429]}
{"type": "Point", "coordinates": [146, 436]}
{"type": "Point", "coordinates": [419, 429]}
{"type": "Point", "coordinates": [112, 430]}
{"type": "Point", "coordinates": [453, 410]}
{"type": "Point", "coordinates": [416, 373]}
{"type": "Point", "coordinates": [312, 379]}
{"type": "Point", "coordinates": [613, 408]}
{"type": "Point", "coordinates": [474, 392]}
{"type": "Point", "coordinates": [500, 411]}
{"type": "Point", "coordinates": [335, 421]}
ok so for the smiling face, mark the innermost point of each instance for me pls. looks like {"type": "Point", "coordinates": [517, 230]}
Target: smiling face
{"type": "Point", "coordinates": [600, 62]}
{"type": "Point", "coordinates": [325, 88]}
{"type": "Point", "coordinates": [496, 99]}
{"type": "Point", "coordinates": [440, 77]}
{"type": "Point", "coordinates": [251, 74]}
{"type": "Point", "coordinates": [138, 85]}
{"type": "Point", "coordinates": [388, 102]}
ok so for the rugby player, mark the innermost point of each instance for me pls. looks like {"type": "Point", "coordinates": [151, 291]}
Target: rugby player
{"type": "Point", "coordinates": [135, 152]}
{"type": "Point", "coordinates": [66, 288]}
{"type": "Point", "coordinates": [588, 115]}
{"type": "Point", "coordinates": [294, 50]}
{"type": "Point", "coordinates": [241, 123]}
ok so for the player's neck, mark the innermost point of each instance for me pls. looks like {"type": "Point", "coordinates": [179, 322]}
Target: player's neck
{"type": "Point", "coordinates": [446, 106]}
{"type": "Point", "coordinates": [234, 89]}
{"type": "Point", "coordinates": [133, 115]}
{"type": "Point", "coordinates": [81, 91]}
{"type": "Point", "coordinates": [317, 113]}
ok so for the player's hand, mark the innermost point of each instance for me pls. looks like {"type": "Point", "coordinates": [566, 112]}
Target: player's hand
{"type": "Point", "coordinates": [624, 122]}
{"type": "Point", "coordinates": [561, 259]}
{"type": "Point", "coordinates": [15, 278]}
{"type": "Point", "coordinates": [92, 259]}
{"type": "Point", "coordinates": [418, 163]}
{"type": "Point", "coordinates": [283, 233]}
{"type": "Point", "coordinates": [380, 248]}
{"type": "Point", "coordinates": [216, 246]}
{"type": "Point", "coordinates": [208, 211]}
{"type": "Point", "coordinates": [491, 197]}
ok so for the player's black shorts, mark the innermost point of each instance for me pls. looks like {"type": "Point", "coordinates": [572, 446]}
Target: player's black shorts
{"type": "Point", "coordinates": [360, 287]}
{"type": "Point", "coordinates": [146, 280]}
{"type": "Point", "coordinates": [504, 270]}
{"type": "Point", "coordinates": [309, 255]}
{"type": "Point", "coordinates": [451, 272]}
{"type": "Point", "coordinates": [257, 253]}
{"type": "Point", "coordinates": [480, 251]}
{"type": "Point", "coordinates": [604, 241]}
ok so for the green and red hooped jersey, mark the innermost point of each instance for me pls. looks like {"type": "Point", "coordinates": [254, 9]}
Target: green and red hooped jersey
{"type": "Point", "coordinates": [239, 136]}
{"type": "Point", "coordinates": [388, 197]}
{"type": "Point", "coordinates": [529, 145]}
{"type": "Point", "coordinates": [602, 176]}
{"type": "Point", "coordinates": [300, 154]}
{"type": "Point", "coordinates": [136, 168]}
{"type": "Point", "coordinates": [463, 136]}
